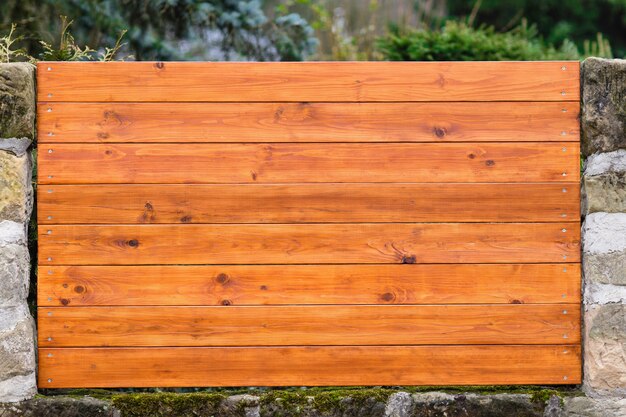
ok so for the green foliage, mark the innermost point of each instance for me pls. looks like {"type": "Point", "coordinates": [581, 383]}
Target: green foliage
{"type": "Point", "coordinates": [67, 50]}
{"type": "Point", "coordinates": [460, 42]}
{"type": "Point", "coordinates": [556, 20]}
{"type": "Point", "coordinates": [168, 29]}
{"type": "Point", "coordinates": [8, 50]}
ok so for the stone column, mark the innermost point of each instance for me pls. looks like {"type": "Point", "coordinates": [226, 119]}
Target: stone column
{"type": "Point", "coordinates": [603, 124]}
{"type": "Point", "coordinates": [17, 328]}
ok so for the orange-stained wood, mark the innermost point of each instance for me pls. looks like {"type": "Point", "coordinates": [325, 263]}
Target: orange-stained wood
{"type": "Point", "coordinates": [307, 163]}
{"type": "Point", "coordinates": [309, 325]}
{"type": "Point", "coordinates": [309, 243]}
{"type": "Point", "coordinates": [308, 122]}
{"type": "Point", "coordinates": [309, 366]}
{"type": "Point", "coordinates": [308, 284]}
{"type": "Point", "coordinates": [308, 203]}
{"type": "Point", "coordinates": [308, 81]}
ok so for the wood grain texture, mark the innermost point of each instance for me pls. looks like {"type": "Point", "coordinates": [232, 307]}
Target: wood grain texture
{"type": "Point", "coordinates": [310, 243]}
{"type": "Point", "coordinates": [308, 122]}
{"type": "Point", "coordinates": [308, 81]}
{"type": "Point", "coordinates": [308, 163]}
{"type": "Point", "coordinates": [310, 203]}
{"type": "Point", "coordinates": [308, 284]}
{"type": "Point", "coordinates": [309, 366]}
{"type": "Point", "coordinates": [329, 325]}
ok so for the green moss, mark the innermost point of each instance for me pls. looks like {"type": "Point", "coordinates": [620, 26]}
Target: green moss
{"type": "Point", "coordinates": [168, 404]}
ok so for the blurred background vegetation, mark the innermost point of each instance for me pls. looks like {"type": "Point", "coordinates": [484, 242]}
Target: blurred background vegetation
{"type": "Point", "coordinates": [274, 30]}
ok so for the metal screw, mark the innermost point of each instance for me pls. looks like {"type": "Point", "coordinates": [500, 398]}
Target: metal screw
{"type": "Point", "coordinates": [564, 336]}
{"type": "Point", "coordinates": [563, 215]}
{"type": "Point", "coordinates": [49, 259]}
{"type": "Point", "coordinates": [563, 133]}
{"type": "Point", "coordinates": [564, 269]}
{"type": "Point", "coordinates": [564, 174]}
{"type": "Point", "coordinates": [49, 379]}
{"type": "Point", "coordinates": [563, 149]}
{"type": "Point", "coordinates": [49, 191]}
{"type": "Point", "coordinates": [49, 339]}
{"type": "Point", "coordinates": [50, 271]}
{"type": "Point", "coordinates": [563, 230]}
{"type": "Point", "coordinates": [49, 232]}
{"type": "Point", "coordinates": [564, 256]}
{"type": "Point", "coordinates": [49, 109]}
{"type": "Point", "coordinates": [564, 311]}
{"type": "Point", "coordinates": [49, 176]}
{"type": "Point", "coordinates": [49, 313]}
{"type": "Point", "coordinates": [49, 217]}
{"type": "Point", "coordinates": [563, 68]}
{"type": "Point", "coordinates": [563, 296]}
{"type": "Point", "coordinates": [49, 298]}
{"type": "Point", "coordinates": [564, 190]}
{"type": "Point", "coordinates": [49, 68]}
{"type": "Point", "coordinates": [50, 150]}
{"type": "Point", "coordinates": [565, 378]}
{"type": "Point", "coordinates": [50, 134]}
{"type": "Point", "coordinates": [564, 110]}
{"type": "Point", "coordinates": [562, 93]}
{"type": "Point", "coordinates": [49, 355]}
{"type": "Point", "coordinates": [49, 94]}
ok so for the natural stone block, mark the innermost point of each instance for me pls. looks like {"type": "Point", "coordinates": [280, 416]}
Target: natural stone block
{"type": "Point", "coordinates": [14, 274]}
{"type": "Point", "coordinates": [603, 117]}
{"type": "Point", "coordinates": [17, 354]}
{"type": "Point", "coordinates": [17, 100]}
{"type": "Point", "coordinates": [60, 407]}
{"type": "Point", "coordinates": [16, 191]}
{"type": "Point", "coordinates": [605, 349]}
{"type": "Point", "coordinates": [590, 407]}
{"type": "Point", "coordinates": [604, 248]}
{"type": "Point", "coordinates": [604, 183]}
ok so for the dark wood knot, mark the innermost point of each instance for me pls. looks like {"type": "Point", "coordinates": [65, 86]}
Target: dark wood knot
{"type": "Point", "coordinates": [440, 132]}
{"type": "Point", "coordinates": [387, 297]}
{"type": "Point", "coordinates": [79, 289]}
{"type": "Point", "coordinates": [159, 65]}
{"type": "Point", "coordinates": [65, 301]}
{"type": "Point", "coordinates": [490, 162]}
{"type": "Point", "coordinates": [226, 302]}
{"type": "Point", "coordinates": [133, 243]}
{"type": "Point", "coordinates": [408, 259]}
{"type": "Point", "coordinates": [222, 278]}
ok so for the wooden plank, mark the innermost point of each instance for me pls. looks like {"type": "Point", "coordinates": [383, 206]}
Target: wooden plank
{"type": "Point", "coordinates": [311, 203]}
{"type": "Point", "coordinates": [308, 284]}
{"type": "Point", "coordinates": [309, 243]}
{"type": "Point", "coordinates": [309, 366]}
{"type": "Point", "coordinates": [306, 163]}
{"type": "Point", "coordinates": [308, 81]}
{"type": "Point", "coordinates": [308, 122]}
{"type": "Point", "coordinates": [309, 325]}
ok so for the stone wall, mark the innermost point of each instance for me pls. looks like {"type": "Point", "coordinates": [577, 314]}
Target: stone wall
{"type": "Point", "coordinates": [17, 328]}
{"type": "Point", "coordinates": [603, 124]}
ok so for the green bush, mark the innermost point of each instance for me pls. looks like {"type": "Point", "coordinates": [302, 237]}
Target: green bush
{"type": "Point", "coordinates": [460, 42]}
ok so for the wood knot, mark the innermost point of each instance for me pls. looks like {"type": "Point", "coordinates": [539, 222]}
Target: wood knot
{"type": "Point", "coordinates": [387, 297]}
{"type": "Point", "coordinates": [102, 135]}
{"type": "Point", "coordinates": [159, 65]}
{"type": "Point", "coordinates": [79, 289]}
{"type": "Point", "coordinates": [133, 243]}
{"type": "Point", "coordinates": [222, 278]}
{"type": "Point", "coordinates": [108, 152]}
{"type": "Point", "coordinates": [65, 301]}
{"type": "Point", "coordinates": [471, 156]}
{"type": "Point", "coordinates": [65, 285]}
{"type": "Point", "coordinates": [408, 259]}
{"type": "Point", "coordinates": [490, 162]}
{"type": "Point", "coordinates": [253, 175]}
{"type": "Point", "coordinates": [517, 302]}
{"type": "Point", "coordinates": [185, 219]}
{"type": "Point", "coordinates": [263, 287]}
{"type": "Point", "coordinates": [226, 302]}
{"type": "Point", "coordinates": [440, 132]}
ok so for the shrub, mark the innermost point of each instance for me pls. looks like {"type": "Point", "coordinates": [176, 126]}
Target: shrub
{"type": "Point", "coordinates": [460, 42]}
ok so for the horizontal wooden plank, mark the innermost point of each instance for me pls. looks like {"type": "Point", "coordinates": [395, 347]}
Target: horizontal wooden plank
{"type": "Point", "coordinates": [308, 366]}
{"type": "Point", "coordinates": [307, 163]}
{"type": "Point", "coordinates": [308, 122]}
{"type": "Point", "coordinates": [309, 243]}
{"type": "Point", "coordinates": [308, 284]}
{"type": "Point", "coordinates": [308, 81]}
{"type": "Point", "coordinates": [308, 325]}
{"type": "Point", "coordinates": [308, 203]}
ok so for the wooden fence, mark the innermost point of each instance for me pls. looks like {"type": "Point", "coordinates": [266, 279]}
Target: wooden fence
{"type": "Point", "coordinates": [232, 224]}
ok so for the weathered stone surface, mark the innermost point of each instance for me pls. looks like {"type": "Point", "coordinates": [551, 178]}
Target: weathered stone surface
{"type": "Point", "coordinates": [589, 407]}
{"type": "Point", "coordinates": [59, 407]}
{"type": "Point", "coordinates": [605, 350]}
{"type": "Point", "coordinates": [604, 183]}
{"type": "Point", "coordinates": [16, 191]}
{"type": "Point", "coordinates": [604, 248]}
{"type": "Point", "coordinates": [14, 275]}
{"type": "Point", "coordinates": [473, 405]}
{"type": "Point", "coordinates": [17, 100]}
{"type": "Point", "coordinates": [603, 117]}
{"type": "Point", "coordinates": [17, 354]}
